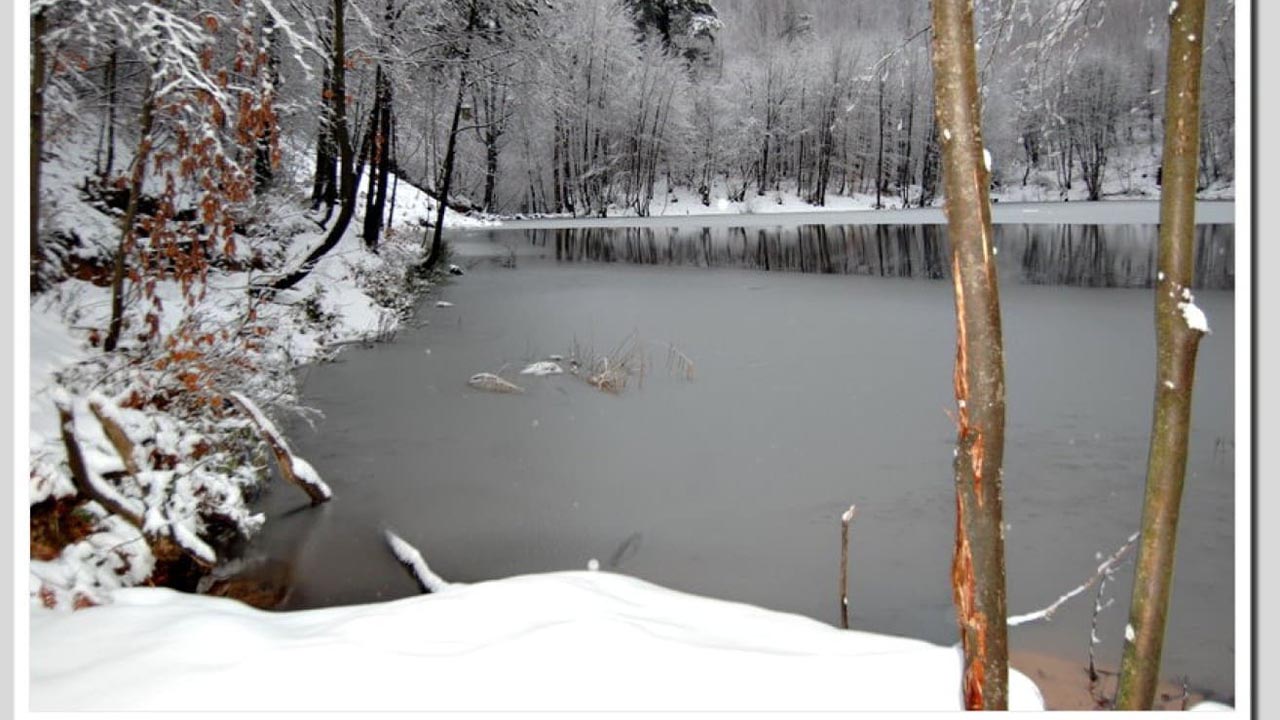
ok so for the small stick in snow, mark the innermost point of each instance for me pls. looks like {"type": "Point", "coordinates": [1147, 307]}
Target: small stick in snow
{"type": "Point", "coordinates": [409, 556]}
{"type": "Point", "coordinates": [845, 520]}
{"type": "Point", "coordinates": [1104, 571]}
{"type": "Point", "coordinates": [292, 468]}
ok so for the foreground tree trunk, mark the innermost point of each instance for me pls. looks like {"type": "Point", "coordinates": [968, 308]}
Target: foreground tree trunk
{"type": "Point", "coordinates": [1177, 340]}
{"type": "Point", "coordinates": [977, 572]}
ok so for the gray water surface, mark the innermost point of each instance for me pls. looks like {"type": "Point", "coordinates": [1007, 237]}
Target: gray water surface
{"type": "Point", "coordinates": [809, 392]}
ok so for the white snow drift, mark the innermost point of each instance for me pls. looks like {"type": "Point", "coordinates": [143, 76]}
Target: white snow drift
{"type": "Point", "coordinates": [553, 642]}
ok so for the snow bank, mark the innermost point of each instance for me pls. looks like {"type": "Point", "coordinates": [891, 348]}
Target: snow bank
{"type": "Point", "coordinates": [194, 469]}
{"type": "Point", "coordinates": [54, 346]}
{"type": "Point", "coordinates": [553, 642]}
{"type": "Point", "coordinates": [415, 208]}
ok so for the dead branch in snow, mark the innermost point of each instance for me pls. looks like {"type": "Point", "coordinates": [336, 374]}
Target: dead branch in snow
{"type": "Point", "coordinates": [292, 468]}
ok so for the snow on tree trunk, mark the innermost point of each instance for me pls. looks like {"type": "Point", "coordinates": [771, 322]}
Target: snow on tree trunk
{"type": "Point", "coordinates": [977, 574]}
{"type": "Point", "coordinates": [1178, 334]}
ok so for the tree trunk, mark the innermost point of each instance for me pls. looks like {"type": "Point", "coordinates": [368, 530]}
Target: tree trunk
{"type": "Point", "coordinates": [393, 148]}
{"type": "Point", "coordinates": [437, 237]}
{"type": "Point", "coordinates": [347, 176]}
{"type": "Point", "coordinates": [880, 145]}
{"type": "Point", "coordinates": [491, 172]}
{"type": "Point", "coordinates": [38, 24]}
{"type": "Point", "coordinates": [557, 196]}
{"type": "Point", "coordinates": [264, 151]}
{"type": "Point", "coordinates": [1176, 344]}
{"type": "Point", "coordinates": [385, 155]}
{"type": "Point", "coordinates": [138, 177]}
{"type": "Point", "coordinates": [376, 196]}
{"type": "Point", "coordinates": [904, 173]}
{"type": "Point", "coordinates": [977, 571]}
{"type": "Point", "coordinates": [324, 189]}
{"type": "Point", "coordinates": [107, 139]}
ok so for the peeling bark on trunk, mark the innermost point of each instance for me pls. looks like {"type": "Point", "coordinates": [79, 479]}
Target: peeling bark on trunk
{"type": "Point", "coordinates": [1176, 346]}
{"type": "Point", "coordinates": [977, 574]}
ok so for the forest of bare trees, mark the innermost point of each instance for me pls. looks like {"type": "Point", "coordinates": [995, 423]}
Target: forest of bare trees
{"type": "Point", "coordinates": [596, 106]}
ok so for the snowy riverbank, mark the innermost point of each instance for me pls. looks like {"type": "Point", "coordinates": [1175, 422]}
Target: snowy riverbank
{"type": "Point", "coordinates": [1104, 212]}
{"type": "Point", "coordinates": [188, 464]}
{"type": "Point", "coordinates": [567, 641]}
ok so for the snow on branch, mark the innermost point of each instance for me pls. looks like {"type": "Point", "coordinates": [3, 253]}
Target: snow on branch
{"type": "Point", "coordinates": [296, 40]}
{"type": "Point", "coordinates": [412, 559]}
{"type": "Point", "coordinates": [1104, 570]}
{"type": "Point", "coordinates": [293, 468]}
{"type": "Point", "coordinates": [85, 474]}
{"type": "Point", "coordinates": [87, 469]}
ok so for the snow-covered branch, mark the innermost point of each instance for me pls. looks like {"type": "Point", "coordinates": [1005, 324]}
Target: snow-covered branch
{"type": "Point", "coordinates": [412, 559]}
{"type": "Point", "coordinates": [1104, 570]}
{"type": "Point", "coordinates": [293, 468]}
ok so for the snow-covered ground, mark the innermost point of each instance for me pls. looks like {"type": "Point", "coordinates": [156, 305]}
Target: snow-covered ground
{"type": "Point", "coordinates": [564, 641]}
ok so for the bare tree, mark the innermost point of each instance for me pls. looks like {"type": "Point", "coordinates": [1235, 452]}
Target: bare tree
{"type": "Point", "coordinates": [977, 572]}
{"type": "Point", "coordinates": [1179, 327]}
{"type": "Point", "coordinates": [38, 25]}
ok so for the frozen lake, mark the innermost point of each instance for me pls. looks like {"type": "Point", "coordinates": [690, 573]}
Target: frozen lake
{"type": "Point", "coordinates": [812, 389]}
